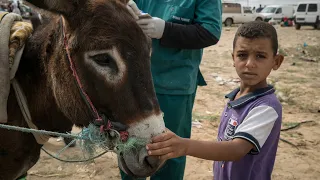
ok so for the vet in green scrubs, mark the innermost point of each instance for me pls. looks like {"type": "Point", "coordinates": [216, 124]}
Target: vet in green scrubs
{"type": "Point", "coordinates": [176, 71]}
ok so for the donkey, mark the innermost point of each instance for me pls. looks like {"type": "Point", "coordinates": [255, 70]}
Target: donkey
{"type": "Point", "coordinates": [111, 56]}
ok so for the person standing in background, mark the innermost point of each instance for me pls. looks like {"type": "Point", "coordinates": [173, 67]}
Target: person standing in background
{"type": "Point", "coordinates": [179, 29]}
{"type": "Point", "coordinates": [15, 8]}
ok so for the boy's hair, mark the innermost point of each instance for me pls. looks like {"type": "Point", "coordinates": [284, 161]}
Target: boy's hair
{"type": "Point", "coordinates": [258, 29]}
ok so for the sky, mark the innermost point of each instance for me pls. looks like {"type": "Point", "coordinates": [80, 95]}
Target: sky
{"type": "Point", "coordinates": [266, 2]}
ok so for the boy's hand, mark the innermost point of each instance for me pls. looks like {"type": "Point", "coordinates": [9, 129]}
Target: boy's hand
{"type": "Point", "coordinates": [167, 146]}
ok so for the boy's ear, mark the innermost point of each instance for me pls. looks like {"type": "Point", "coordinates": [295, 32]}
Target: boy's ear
{"type": "Point", "coordinates": [278, 61]}
{"type": "Point", "coordinates": [232, 55]}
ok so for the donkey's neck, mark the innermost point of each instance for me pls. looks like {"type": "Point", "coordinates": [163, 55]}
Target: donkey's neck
{"type": "Point", "coordinates": [36, 75]}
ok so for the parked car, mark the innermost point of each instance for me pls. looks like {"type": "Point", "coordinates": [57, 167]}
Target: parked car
{"type": "Point", "coordinates": [308, 14]}
{"type": "Point", "coordinates": [277, 12]}
{"type": "Point", "coordinates": [234, 13]}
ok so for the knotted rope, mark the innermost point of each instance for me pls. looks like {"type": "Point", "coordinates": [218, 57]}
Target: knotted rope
{"type": "Point", "coordinates": [93, 143]}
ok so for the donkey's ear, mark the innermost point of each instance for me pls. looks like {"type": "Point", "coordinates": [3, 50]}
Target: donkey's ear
{"type": "Point", "coordinates": [64, 7]}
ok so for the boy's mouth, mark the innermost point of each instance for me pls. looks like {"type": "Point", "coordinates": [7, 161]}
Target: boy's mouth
{"type": "Point", "coordinates": [249, 73]}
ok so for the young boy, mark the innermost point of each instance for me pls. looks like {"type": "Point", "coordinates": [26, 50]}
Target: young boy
{"type": "Point", "coordinates": [250, 123]}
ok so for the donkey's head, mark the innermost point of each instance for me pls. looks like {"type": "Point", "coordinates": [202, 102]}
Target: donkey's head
{"type": "Point", "coordinates": [112, 58]}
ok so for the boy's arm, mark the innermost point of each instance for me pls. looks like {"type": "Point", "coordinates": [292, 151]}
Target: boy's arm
{"type": "Point", "coordinates": [249, 137]}
{"type": "Point", "coordinates": [220, 150]}
{"type": "Point", "coordinates": [169, 145]}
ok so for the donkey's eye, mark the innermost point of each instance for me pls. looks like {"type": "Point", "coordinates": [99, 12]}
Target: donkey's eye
{"type": "Point", "coordinates": [102, 59]}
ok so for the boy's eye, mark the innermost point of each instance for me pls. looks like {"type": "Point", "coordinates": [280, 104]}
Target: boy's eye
{"type": "Point", "coordinates": [241, 56]}
{"type": "Point", "coordinates": [260, 56]}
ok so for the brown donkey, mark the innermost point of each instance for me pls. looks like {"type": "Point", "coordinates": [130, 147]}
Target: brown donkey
{"type": "Point", "coordinates": [111, 56]}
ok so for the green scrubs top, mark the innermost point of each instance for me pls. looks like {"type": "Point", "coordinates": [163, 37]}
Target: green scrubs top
{"type": "Point", "coordinates": [176, 71]}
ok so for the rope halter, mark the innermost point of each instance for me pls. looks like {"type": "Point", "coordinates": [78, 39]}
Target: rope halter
{"type": "Point", "coordinates": [101, 121]}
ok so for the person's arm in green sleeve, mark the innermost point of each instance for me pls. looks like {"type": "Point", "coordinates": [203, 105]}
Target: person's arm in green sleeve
{"type": "Point", "coordinates": [205, 32]}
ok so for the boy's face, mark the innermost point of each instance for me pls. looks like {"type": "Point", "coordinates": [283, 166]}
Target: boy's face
{"type": "Point", "coordinates": [254, 59]}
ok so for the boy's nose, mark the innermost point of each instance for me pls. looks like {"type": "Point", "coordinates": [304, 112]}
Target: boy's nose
{"type": "Point", "coordinates": [250, 62]}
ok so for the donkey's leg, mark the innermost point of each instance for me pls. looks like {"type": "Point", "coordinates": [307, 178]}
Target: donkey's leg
{"type": "Point", "coordinates": [23, 177]}
{"type": "Point", "coordinates": [18, 153]}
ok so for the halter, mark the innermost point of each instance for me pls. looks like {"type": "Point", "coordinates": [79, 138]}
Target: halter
{"type": "Point", "coordinates": [101, 121]}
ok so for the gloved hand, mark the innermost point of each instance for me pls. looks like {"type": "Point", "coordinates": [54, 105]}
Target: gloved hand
{"type": "Point", "coordinates": [133, 9]}
{"type": "Point", "coordinates": [152, 27]}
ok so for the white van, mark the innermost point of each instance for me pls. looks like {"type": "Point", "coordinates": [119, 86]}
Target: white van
{"type": "Point", "coordinates": [235, 13]}
{"type": "Point", "coordinates": [308, 14]}
{"type": "Point", "coordinates": [277, 12]}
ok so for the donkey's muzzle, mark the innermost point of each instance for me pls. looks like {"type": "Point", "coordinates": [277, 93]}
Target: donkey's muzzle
{"type": "Point", "coordinates": [141, 165]}
{"type": "Point", "coordinates": [135, 161]}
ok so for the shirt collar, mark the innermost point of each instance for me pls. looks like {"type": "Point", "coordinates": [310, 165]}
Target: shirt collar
{"type": "Point", "coordinates": [249, 97]}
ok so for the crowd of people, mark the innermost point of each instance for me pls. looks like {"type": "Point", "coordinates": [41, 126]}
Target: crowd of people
{"type": "Point", "coordinates": [15, 7]}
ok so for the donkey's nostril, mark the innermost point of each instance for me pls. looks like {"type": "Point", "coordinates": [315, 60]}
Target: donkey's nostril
{"type": "Point", "coordinates": [147, 106]}
{"type": "Point", "coordinates": [153, 161]}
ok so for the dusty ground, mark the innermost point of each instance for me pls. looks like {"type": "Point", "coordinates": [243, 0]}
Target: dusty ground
{"type": "Point", "coordinates": [297, 83]}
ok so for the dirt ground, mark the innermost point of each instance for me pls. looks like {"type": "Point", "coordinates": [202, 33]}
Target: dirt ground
{"type": "Point", "coordinates": [297, 83]}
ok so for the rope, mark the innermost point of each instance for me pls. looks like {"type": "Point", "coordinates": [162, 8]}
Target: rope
{"type": "Point", "coordinates": [82, 136]}
{"type": "Point", "coordinates": [50, 133]}
{"type": "Point", "coordinates": [74, 161]}
{"type": "Point", "coordinates": [75, 74]}
{"type": "Point", "coordinates": [92, 142]}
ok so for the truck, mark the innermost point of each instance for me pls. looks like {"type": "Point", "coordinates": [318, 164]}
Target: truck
{"type": "Point", "coordinates": [235, 13]}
